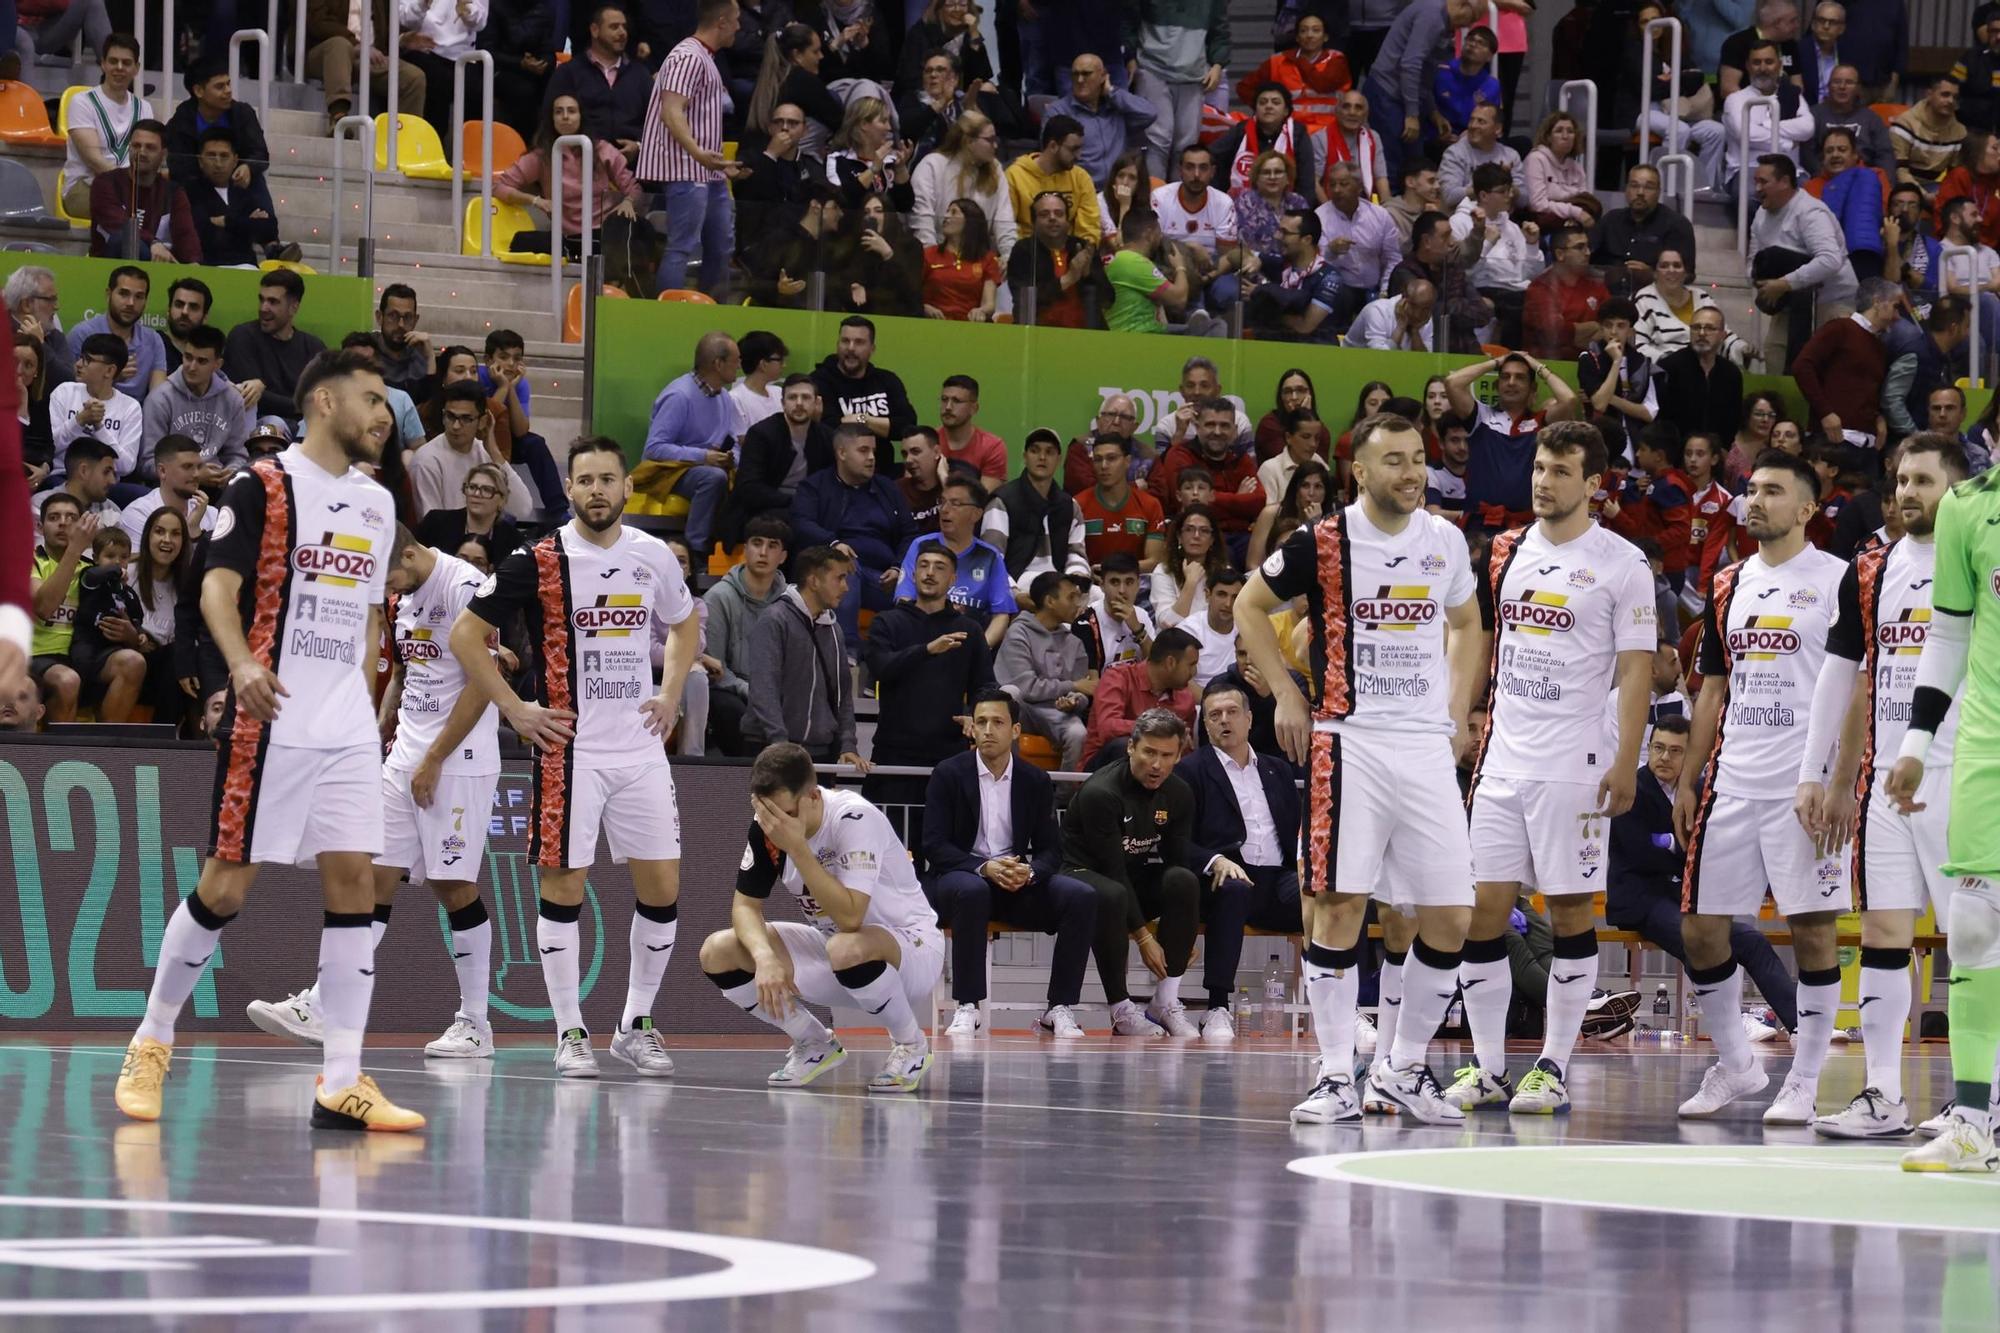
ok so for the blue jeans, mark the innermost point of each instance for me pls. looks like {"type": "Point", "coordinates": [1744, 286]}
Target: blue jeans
{"type": "Point", "coordinates": [698, 215]}
{"type": "Point", "coordinates": [1222, 294]}
{"type": "Point", "coordinates": [864, 588]}
{"type": "Point", "coordinates": [704, 488]}
{"type": "Point", "coordinates": [1385, 117]}
{"type": "Point", "coordinates": [532, 452]}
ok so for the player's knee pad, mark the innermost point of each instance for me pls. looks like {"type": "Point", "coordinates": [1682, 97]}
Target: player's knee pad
{"type": "Point", "coordinates": [1975, 926]}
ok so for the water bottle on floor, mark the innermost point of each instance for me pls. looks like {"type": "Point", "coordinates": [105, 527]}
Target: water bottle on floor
{"type": "Point", "coordinates": [1244, 1010]}
{"type": "Point", "coordinates": [1276, 1021]}
{"type": "Point", "coordinates": [1691, 1019]}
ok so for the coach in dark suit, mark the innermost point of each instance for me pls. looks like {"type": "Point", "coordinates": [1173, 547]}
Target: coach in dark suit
{"type": "Point", "coordinates": [1643, 887]}
{"type": "Point", "coordinates": [989, 863]}
{"type": "Point", "coordinates": [1245, 840]}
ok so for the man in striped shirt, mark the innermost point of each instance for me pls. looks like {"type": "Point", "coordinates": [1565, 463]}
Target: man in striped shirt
{"type": "Point", "coordinates": [682, 151]}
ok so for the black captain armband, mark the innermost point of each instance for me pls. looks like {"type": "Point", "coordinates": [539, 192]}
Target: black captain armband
{"type": "Point", "coordinates": [761, 865]}
{"type": "Point", "coordinates": [1927, 709]}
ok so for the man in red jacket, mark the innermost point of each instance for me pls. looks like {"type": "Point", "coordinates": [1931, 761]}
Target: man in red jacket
{"type": "Point", "coordinates": [1130, 688]}
{"type": "Point", "coordinates": [1656, 501]}
{"type": "Point", "coordinates": [165, 227]}
{"type": "Point", "coordinates": [17, 550]}
{"type": "Point", "coordinates": [1841, 367]}
{"type": "Point", "coordinates": [1238, 496]}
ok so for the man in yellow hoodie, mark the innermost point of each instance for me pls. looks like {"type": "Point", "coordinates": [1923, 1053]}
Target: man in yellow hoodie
{"type": "Point", "coordinates": [1055, 170]}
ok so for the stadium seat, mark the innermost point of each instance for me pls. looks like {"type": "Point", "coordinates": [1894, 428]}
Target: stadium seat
{"type": "Point", "coordinates": [685, 294]}
{"type": "Point", "coordinates": [419, 151]}
{"type": "Point", "coordinates": [572, 330]}
{"type": "Point", "coordinates": [508, 219]}
{"type": "Point", "coordinates": [1041, 752]}
{"type": "Point", "coordinates": [1888, 111]}
{"type": "Point", "coordinates": [62, 184]}
{"type": "Point", "coordinates": [508, 146]}
{"type": "Point", "coordinates": [652, 491]}
{"type": "Point", "coordinates": [1494, 349]}
{"type": "Point", "coordinates": [294, 265]}
{"type": "Point", "coordinates": [24, 119]}
{"type": "Point", "coordinates": [70, 94]}
{"type": "Point", "coordinates": [21, 198]}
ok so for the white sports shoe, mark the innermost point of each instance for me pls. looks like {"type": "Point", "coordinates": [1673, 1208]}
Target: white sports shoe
{"type": "Point", "coordinates": [1364, 1036]}
{"type": "Point", "coordinates": [1795, 1103]}
{"type": "Point", "coordinates": [1938, 1123]}
{"type": "Point", "coordinates": [904, 1069]}
{"type": "Point", "coordinates": [1473, 1086]}
{"type": "Point", "coordinates": [1416, 1091]}
{"type": "Point", "coordinates": [807, 1062]}
{"type": "Point", "coordinates": [1173, 1020]}
{"type": "Point", "coordinates": [1218, 1026]}
{"type": "Point", "coordinates": [463, 1040]}
{"type": "Point", "coordinates": [964, 1021]}
{"type": "Point", "coordinates": [1541, 1091]}
{"type": "Point", "coordinates": [1373, 1102]}
{"type": "Point", "coordinates": [295, 1016]}
{"type": "Point", "coordinates": [1719, 1087]}
{"type": "Point", "coordinates": [1757, 1030]}
{"type": "Point", "coordinates": [1966, 1144]}
{"type": "Point", "coordinates": [574, 1058]}
{"type": "Point", "coordinates": [643, 1049]}
{"type": "Point", "coordinates": [1331, 1102]}
{"type": "Point", "coordinates": [1060, 1021]}
{"type": "Point", "coordinates": [1127, 1021]}
{"type": "Point", "coordinates": [1869, 1116]}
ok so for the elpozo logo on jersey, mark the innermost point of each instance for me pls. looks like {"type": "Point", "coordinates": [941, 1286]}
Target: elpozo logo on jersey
{"type": "Point", "coordinates": [1538, 613]}
{"type": "Point", "coordinates": [337, 560]}
{"type": "Point", "coordinates": [612, 616]}
{"type": "Point", "coordinates": [419, 646]}
{"type": "Point", "coordinates": [1906, 634]}
{"type": "Point", "coordinates": [1764, 638]}
{"type": "Point", "coordinates": [1402, 608]}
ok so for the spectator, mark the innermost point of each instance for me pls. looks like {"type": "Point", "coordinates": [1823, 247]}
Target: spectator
{"type": "Point", "coordinates": [936, 99]}
{"type": "Point", "coordinates": [198, 402]}
{"type": "Point", "coordinates": [1858, 196]}
{"type": "Point", "coordinates": [1840, 370]}
{"type": "Point", "coordinates": [33, 30]}
{"type": "Point", "coordinates": [1044, 666]}
{"type": "Point", "coordinates": [522, 39]}
{"type": "Point", "coordinates": [1919, 359]}
{"type": "Point", "coordinates": [91, 406]}
{"type": "Point", "coordinates": [859, 513]}
{"type": "Point", "coordinates": [1762, 413]}
{"type": "Point", "coordinates": [1397, 323]}
{"type": "Point", "coordinates": [435, 33]}
{"type": "Point", "coordinates": [855, 391]}
{"type": "Point", "coordinates": [1842, 108]}
{"type": "Point", "coordinates": [950, 26]}
{"type": "Point", "coordinates": [88, 472]}
{"type": "Point", "coordinates": [1054, 275]}
{"type": "Point", "coordinates": [980, 587]}
{"type": "Point", "coordinates": [108, 650]}
{"type": "Point", "coordinates": [1350, 140]}
{"type": "Point", "coordinates": [1657, 501]}
{"type": "Point", "coordinates": [1124, 188]}
{"type": "Point", "coordinates": [403, 352]}
{"type": "Point", "coordinates": [1798, 257]}
{"type": "Point", "coordinates": [1976, 177]}
{"type": "Point", "coordinates": [779, 267]}
{"type": "Point", "coordinates": [1559, 316]}
{"type": "Point", "coordinates": [758, 396]}
{"type": "Point", "coordinates": [53, 583]}
{"type": "Point", "coordinates": [1375, 396]}
{"type": "Point", "coordinates": [1780, 134]}
{"type": "Point", "coordinates": [882, 266]}
{"type": "Point", "coordinates": [611, 88]}
{"type": "Point", "coordinates": [38, 447]}
{"type": "Point", "coordinates": [1975, 72]}
{"type": "Point", "coordinates": [964, 442]}
{"type": "Point", "coordinates": [1194, 558]}
{"type": "Point", "coordinates": [1432, 257]}
{"type": "Point", "coordinates": [1182, 50]}
{"type": "Point", "coordinates": [1401, 84]}
{"type": "Point", "coordinates": [1616, 379]}
{"type": "Point", "coordinates": [1238, 498]}
{"type": "Point", "coordinates": [1032, 520]}
{"type": "Point", "coordinates": [334, 31]}
{"type": "Point", "coordinates": [1818, 53]}
{"type": "Point", "coordinates": [1213, 626]}
{"type": "Point", "coordinates": [690, 426]}
{"type": "Point", "coordinates": [482, 518]}
{"type": "Point", "coordinates": [125, 295]}
{"type": "Point", "coordinates": [440, 469]}
{"type": "Point", "coordinates": [1205, 220]}
{"type": "Point", "coordinates": [178, 463]}
{"type": "Point", "coordinates": [800, 669]}
{"type": "Point", "coordinates": [188, 303]}
{"type": "Point", "coordinates": [1480, 146]}
{"type": "Point", "coordinates": [1909, 248]}
{"type": "Point", "coordinates": [1304, 499]}
{"type": "Point", "coordinates": [1947, 416]}
{"type": "Point", "coordinates": [1272, 128]}
{"type": "Point", "coordinates": [1928, 136]}
{"type": "Point", "coordinates": [1257, 206]}
{"type": "Point", "coordinates": [1299, 305]}
{"type": "Point", "coordinates": [1115, 627]}
{"type": "Point", "coordinates": [1701, 389]}
{"type": "Point", "coordinates": [961, 272]}
{"type": "Point", "coordinates": [1502, 440]}
{"type": "Point", "coordinates": [1128, 691]}
{"type": "Point", "coordinates": [1143, 299]}
{"type": "Point", "coordinates": [866, 162]}
{"type": "Point", "coordinates": [1117, 417]}
{"type": "Point", "coordinates": [162, 559]}
{"type": "Point", "coordinates": [1711, 526]}
{"type": "Point", "coordinates": [1421, 194]}
{"type": "Point", "coordinates": [735, 603]}
{"type": "Point", "coordinates": [1117, 517]}
{"type": "Point", "coordinates": [1669, 304]}
{"type": "Point", "coordinates": [965, 167]}
{"type": "Point", "coordinates": [1465, 84]}
{"type": "Point", "coordinates": [1243, 843]}
{"type": "Point", "coordinates": [235, 226]}
{"type": "Point", "coordinates": [101, 122]}
{"type": "Point", "coordinates": [264, 356]}
{"type": "Point", "coordinates": [682, 147]}
{"type": "Point", "coordinates": [614, 190]}
{"type": "Point", "coordinates": [990, 824]}
{"type": "Point", "coordinates": [931, 661]}
{"type": "Point", "coordinates": [1634, 236]}
{"type": "Point", "coordinates": [1055, 169]}
{"type": "Point", "coordinates": [779, 185]}
{"type": "Point", "coordinates": [212, 105]}
{"type": "Point", "coordinates": [788, 74]}
{"type": "Point", "coordinates": [1110, 118]}
{"type": "Point", "coordinates": [922, 478]}
{"type": "Point", "coordinates": [1777, 27]}
{"type": "Point", "coordinates": [1559, 190]}
{"type": "Point", "coordinates": [1311, 71]}
{"type": "Point", "coordinates": [505, 382]}
{"type": "Point", "coordinates": [1507, 256]}
{"type": "Point", "coordinates": [1305, 442]}
{"type": "Point", "coordinates": [1360, 239]}
{"type": "Point", "coordinates": [1444, 487]}
{"type": "Point", "coordinates": [29, 295]}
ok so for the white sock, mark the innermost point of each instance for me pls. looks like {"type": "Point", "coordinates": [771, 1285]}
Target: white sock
{"type": "Point", "coordinates": [1333, 977]}
{"type": "Point", "coordinates": [1571, 981]}
{"type": "Point", "coordinates": [185, 949]}
{"type": "Point", "coordinates": [1166, 992]}
{"type": "Point", "coordinates": [346, 984]}
{"type": "Point", "coordinates": [472, 959]}
{"type": "Point", "coordinates": [1885, 1008]}
{"type": "Point", "coordinates": [557, 940]}
{"type": "Point", "coordinates": [1389, 1004]}
{"type": "Point", "coordinates": [652, 945]}
{"type": "Point", "coordinates": [1819, 1005]}
{"type": "Point", "coordinates": [376, 929]}
{"type": "Point", "coordinates": [800, 1024]}
{"type": "Point", "coordinates": [1427, 990]}
{"type": "Point", "coordinates": [882, 996]}
{"type": "Point", "coordinates": [1721, 1005]}
{"type": "Point", "coordinates": [1488, 985]}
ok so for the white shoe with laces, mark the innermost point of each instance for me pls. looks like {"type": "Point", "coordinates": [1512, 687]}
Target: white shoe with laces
{"type": "Point", "coordinates": [807, 1061]}
{"type": "Point", "coordinates": [1938, 1123]}
{"type": "Point", "coordinates": [1416, 1092]}
{"type": "Point", "coordinates": [1966, 1144]}
{"type": "Point", "coordinates": [1218, 1026]}
{"type": "Point", "coordinates": [1719, 1087]}
{"type": "Point", "coordinates": [1331, 1102]}
{"type": "Point", "coordinates": [965, 1021]}
{"type": "Point", "coordinates": [463, 1040]}
{"type": "Point", "coordinates": [1060, 1021]}
{"type": "Point", "coordinates": [1869, 1116]}
{"type": "Point", "coordinates": [904, 1069]}
{"type": "Point", "coordinates": [1172, 1019]}
{"type": "Point", "coordinates": [1796, 1102]}
{"type": "Point", "coordinates": [1373, 1102]}
{"type": "Point", "coordinates": [1757, 1030]}
{"type": "Point", "coordinates": [643, 1049]}
{"type": "Point", "coordinates": [1541, 1091]}
{"type": "Point", "coordinates": [295, 1016]}
{"type": "Point", "coordinates": [1127, 1021]}
{"type": "Point", "coordinates": [1473, 1086]}
{"type": "Point", "coordinates": [1364, 1036]}
{"type": "Point", "coordinates": [574, 1058]}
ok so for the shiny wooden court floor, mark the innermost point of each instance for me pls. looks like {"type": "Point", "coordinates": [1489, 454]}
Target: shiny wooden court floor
{"type": "Point", "coordinates": [1099, 1185]}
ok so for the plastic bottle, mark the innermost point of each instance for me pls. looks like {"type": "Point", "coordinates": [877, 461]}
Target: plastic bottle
{"type": "Point", "coordinates": [1663, 1006]}
{"type": "Point", "coordinates": [1276, 1020]}
{"type": "Point", "coordinates": [1691, 1020]}
{"type": "Point", "coordinates": [1243, 1010]}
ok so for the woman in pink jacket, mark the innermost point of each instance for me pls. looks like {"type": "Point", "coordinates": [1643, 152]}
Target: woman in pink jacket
{"type": "Point", "coordinates": [1558, 183]}
{"type": "Point", "coordinates": [615, 192]}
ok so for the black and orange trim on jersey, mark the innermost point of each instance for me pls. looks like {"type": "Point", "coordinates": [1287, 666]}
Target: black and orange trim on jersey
{"type": "Point", "coordinates": [239, 765]}
{"type": "Point", "coordinates": [1329, 607]}
{"type": "Point", "coordinates": [554, 770]}
{"type": "Point", "coordinates": [1721, 595]}
{"type": "Point", "coordinates": [1319, 854]}
{"type": "Point", "coordinates": [1501, 560]}
{"type": "Point", "coordinates": [1869, 567]}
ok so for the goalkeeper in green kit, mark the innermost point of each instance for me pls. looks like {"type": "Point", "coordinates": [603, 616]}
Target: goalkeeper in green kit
{"type": "Point", "coordinates": [1964, 640]}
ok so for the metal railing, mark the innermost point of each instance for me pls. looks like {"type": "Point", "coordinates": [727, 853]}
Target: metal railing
{"type": "Point", "coordinates": [587, 215]}
{"type": "Point", "coordinates": [1589, 135]}
{"type": "Point", "coordinates": [395, 89]}
{"type": "Point", "coordinates": [263, 40]}
{"type": "Point", "coordinates": [484, 59]}
{"type": "Point", "coordinates": [299, 42]}
{"type": "Point", "coordinates": [1748, 166]}
{"type": "Point", "coordinates": [1686, 169]}
{"type": "Point", "coordinates": [167, 99]}
{"type": "Point", "coordinates": [1946, 254]}
{"type": "Point", "coordinates": [363, 128]}
{"type": "Point", "coordinates": [1646, 89]}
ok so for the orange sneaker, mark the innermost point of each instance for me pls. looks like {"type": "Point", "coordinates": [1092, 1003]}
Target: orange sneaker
{"type": "Point", "coordinates": [141, 1077]}
{"type": "Point", "coordinates": [361, 1106]}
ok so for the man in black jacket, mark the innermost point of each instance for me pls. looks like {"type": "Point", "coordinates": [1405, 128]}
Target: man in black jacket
{"type": "Point", "coordinates": [852, 388]}
{"type": "Point", "coordinates": [612, 90]}
{"type": "Point", "coordinates": [1700, 389]}
{"type": "Point", "coordinates": [995, 850]}
{"type": "Point", "coordinates": [779, 452]}
{"type": "Point", "coordinates": [211, 104]}
{"type": "Point", "coordinates": [237, 224]}
{"type": "Point", "coordinates": [779, 185]}
{"type": "Point", "coordinates": [1643, 891]}
{"type": "Point", "coordinates": [1244, 843]}
{"type": "Point", "coordinates": [1032, 521]}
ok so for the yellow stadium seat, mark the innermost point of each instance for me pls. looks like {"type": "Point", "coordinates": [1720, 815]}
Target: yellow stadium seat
{"type": "Point", "coordinates": [292, 264]}
{"type": "Point", "coordinates": [62, 184]}
{"type": "Point", "coordinates": [419, 151]}
{"type": "Point", "coordinates": [23, 118]}
{"type": "Point", "coordinates": [653, 490]}
{"type": "Point", "coordinates": [70, 94]}
{"type": "Point", "coordinates": [508, 219]}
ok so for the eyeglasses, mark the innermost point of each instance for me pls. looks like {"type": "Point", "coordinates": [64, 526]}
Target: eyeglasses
{"type": "Point", "coordinates": [399, 317]}
{"type": "Point", "coordinates": [1119, 416]}
{"type": "Point", "coordinates": [459, 419]}
{"type": "Point", "coordinates": [480, 491]}
{"type": "Point", "coordinates": [1763, 413]}
{"type": "Point", "coordinates": [960, 504]}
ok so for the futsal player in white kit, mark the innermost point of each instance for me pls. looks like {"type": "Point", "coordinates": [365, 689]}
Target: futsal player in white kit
{"type": "Point", "coordinates": [297, 571]}
{"type": "Point", "coordinates": [1382, 579]}
{"type": "Point", "coordinates": [1573, 620]}
{"type": "Point", "coordinates": [593, 591]}
{"type": "Point", "coordinates": [870, 939]}
{"type": "Point", "coordinates": [1763, 642]}
{"type": "Point", "coordinates": [437, 797]}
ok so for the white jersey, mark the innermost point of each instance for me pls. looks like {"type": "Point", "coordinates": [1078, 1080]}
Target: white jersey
{"type": "Point", "coordinates": [1376, 605]}
{"type": "Point", "coordinates": [1766, 630]}
{"type": "Point", "coordinates": [857, 845]}
{"type": "Point", "coordinates": [1561, 616]}
{"type": "Point", "coordinates": [1209, 226]}
{"type": "Point", "coordinates": [1885, 615]}
{"type": "Point", "coordinates": [432, 677]}
{"type": "Point", "coordinates": [591, 613]}
{"type": "Point", "coordinates": [314, 550]}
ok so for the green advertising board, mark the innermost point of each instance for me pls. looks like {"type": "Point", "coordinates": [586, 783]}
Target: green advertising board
{"type": "Point", "coordinates": [333, 308]}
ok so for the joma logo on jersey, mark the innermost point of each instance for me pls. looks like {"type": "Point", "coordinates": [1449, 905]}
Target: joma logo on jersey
{"type": "Point", "coordinates": [1764, 638]}
{"type": "Point", "coordinates": [613, 617]}
{"type": "Point", "coordinates": [1397, 608]}
{"type": "Point", "coordinates": [1905, 635]}
{"type": "Point", "coordinates": [419, 646]}
{"type": "Point", "coordinates": [1992, 580]}
{"type": "Point", "coordinates": [1539, 613]}
{"type": "Point", "coordinates": [337, 560]}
